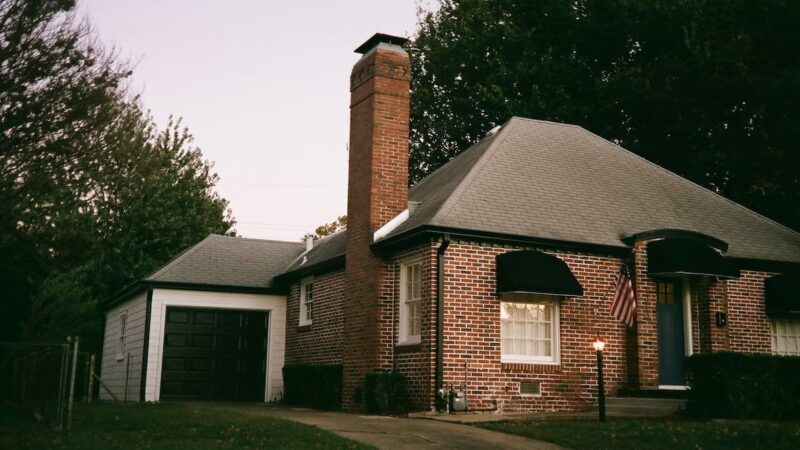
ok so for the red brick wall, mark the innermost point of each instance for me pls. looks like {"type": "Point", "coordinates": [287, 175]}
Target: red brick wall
{"type": "Point", "coordinates": [646, 321]}
{"type": "Point", "coordinates": [472, 335]}
{"type": "Point", "coordinates": [748, 323]}
{"type": "Point", "coordinates": [711, 298]}
{"type": "Point", "coordinates": [472, 328]}
{"type": "Point", "coordinates": [320, 342]}
{"type": "Point", "coordinates": [416, 362]}
{"type": "Point", "coordinates": [377, 192]}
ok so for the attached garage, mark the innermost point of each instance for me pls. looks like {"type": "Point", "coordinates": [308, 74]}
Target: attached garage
{"type": "Point", "coordinates": [208, 326]}
{"type": "Point", "coordinates": [214, 354]}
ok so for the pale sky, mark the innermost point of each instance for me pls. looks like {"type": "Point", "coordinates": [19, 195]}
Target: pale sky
{"type": "Point", "coordinates": [264, 88]}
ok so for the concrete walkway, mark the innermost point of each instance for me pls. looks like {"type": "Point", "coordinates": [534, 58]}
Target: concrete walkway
{"type": "Point", "coordinates": [395, 433]}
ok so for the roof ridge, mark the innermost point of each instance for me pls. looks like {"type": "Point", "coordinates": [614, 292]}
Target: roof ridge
{"type": "Point", "coordinates": [242, 238]}
{"type": "Point", "coordinates": [549, 122]}
{"type": "Point", "coordinates": [686, 180]}
{"type": "Point", "coordinates": [316, 246]}
{"type": "Point", "coordinates": [180, 257]}
{"type": "Point", "coordinates": [477, 167]}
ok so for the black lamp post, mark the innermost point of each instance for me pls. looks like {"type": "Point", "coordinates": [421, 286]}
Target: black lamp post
{"type": "Point", "coordinates": [599, 345]}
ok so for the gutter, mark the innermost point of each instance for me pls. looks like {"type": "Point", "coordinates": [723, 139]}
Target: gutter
{"type": "Point", "coordinates": [441, 403]}
{"type": "Point", "coordinates": [142, 285]}
{"type": "Point", "coordinates": [429, 232]}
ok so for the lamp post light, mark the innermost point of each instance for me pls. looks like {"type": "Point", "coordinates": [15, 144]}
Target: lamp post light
{"type": "Point", "coordinates": [599, 345]}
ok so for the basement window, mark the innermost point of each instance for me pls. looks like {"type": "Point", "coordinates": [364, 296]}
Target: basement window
{"type": "Point", "coordinates": [306, 301]}
{"type": "Point", "coordinates": [529, 388]}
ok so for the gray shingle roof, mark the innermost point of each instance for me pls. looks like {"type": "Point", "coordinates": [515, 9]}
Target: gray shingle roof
{"type": "Point", "coordinates": [324, 249]}
{"type": "Point", "coordinates": [548, 180]}
{"type": "Point", "coordinates": [230, 261]}
{"type": "Point", "coordinates": [556, 181]}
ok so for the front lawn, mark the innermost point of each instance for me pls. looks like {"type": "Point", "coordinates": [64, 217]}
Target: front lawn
{"type": "Point", "coordinates": [672, 434]}
{"type": "Point", "coordinates": [164, 426]}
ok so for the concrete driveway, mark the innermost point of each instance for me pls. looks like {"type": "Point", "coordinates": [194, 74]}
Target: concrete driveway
{"type": "Point", "coordinates": [395, 433]}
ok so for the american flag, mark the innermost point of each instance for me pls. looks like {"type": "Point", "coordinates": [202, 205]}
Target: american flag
{"type": "Point", "coordinates": [623, 307]}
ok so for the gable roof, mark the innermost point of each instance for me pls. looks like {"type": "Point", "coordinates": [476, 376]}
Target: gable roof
{"type": "Point", "coordinates": [229, 261]}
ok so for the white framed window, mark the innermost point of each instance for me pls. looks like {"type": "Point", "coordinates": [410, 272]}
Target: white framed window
{"type": "Point", "coordinates": [529, 331]}
{"type": "Point", "coordinates": [123, 331]}
{"type": "Point", "coordinates": [785, 336]}
{"type": "Point", "coordinates": [306, 301]}
{"type": "Point", "coordinates": [410, 302]}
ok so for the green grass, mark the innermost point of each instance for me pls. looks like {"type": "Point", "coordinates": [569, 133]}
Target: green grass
{"type": "Point", "coordinates": [164, 426]}
{"type": "Point", "coordinates": [670, 434]}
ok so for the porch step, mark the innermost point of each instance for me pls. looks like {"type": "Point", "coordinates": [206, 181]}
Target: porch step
{"type": "Point", "coordinates": [653, 393]}
{"type": "Point", "coordinates": [641, 407]}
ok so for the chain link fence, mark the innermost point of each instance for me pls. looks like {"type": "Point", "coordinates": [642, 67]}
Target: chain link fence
{"type": "Point", "coordinates": [46, 378]}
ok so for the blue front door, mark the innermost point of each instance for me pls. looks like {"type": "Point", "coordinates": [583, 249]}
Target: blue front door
{"type": "Point", "coordinates": [669, 313]}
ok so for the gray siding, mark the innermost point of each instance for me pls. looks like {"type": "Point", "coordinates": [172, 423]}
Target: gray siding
{"type": "Point", "coordinates": [114, 365]}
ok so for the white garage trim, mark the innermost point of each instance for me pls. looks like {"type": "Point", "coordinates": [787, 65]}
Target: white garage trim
{"type": "Point", "coordinates": [275, 305]}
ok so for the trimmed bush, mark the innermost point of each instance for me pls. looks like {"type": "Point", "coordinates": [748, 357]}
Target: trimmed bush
{"type": "Point", "coordinates": [386, 393]}
{"type": "Point", "coordinates": [314, 386]}
{"type": "Point", "coordinates": [731, 385]}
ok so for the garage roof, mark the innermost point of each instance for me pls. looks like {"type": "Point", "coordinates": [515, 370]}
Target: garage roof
{"type": "Point", "coordinates": [229, 261]}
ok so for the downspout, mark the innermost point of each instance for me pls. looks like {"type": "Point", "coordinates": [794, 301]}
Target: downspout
{"type": "Point", "coordinates": [439, 385]}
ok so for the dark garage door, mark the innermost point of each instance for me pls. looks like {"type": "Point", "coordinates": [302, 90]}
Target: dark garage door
{"type": "Point", "coordinates": [214, 354]}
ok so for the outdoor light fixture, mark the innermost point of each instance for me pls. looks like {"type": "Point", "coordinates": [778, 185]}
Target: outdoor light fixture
{"type": "Point", "coordinates": [599, 345]}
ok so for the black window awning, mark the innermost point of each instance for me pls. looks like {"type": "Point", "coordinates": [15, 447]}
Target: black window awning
{"type": "Point", "coordinates": [781, 297]}
{"type": "Point", "coordinates": [535, 272]}
{"type": "Point", "coordinates": [687, 257]}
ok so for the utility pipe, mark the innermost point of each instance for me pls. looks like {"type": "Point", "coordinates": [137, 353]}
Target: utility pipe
{"type": "Point", "coordinates": [441, 400]}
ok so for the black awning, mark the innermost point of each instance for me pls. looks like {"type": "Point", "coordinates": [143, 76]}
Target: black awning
{"type": "Point", "coordinates": [535, 272]}
{"type": "Point", "coordinates": [687, 257]}
{"type": "Point", "coordinates": [781, 295]}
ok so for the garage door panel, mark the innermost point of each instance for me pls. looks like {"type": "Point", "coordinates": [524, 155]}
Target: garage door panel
{"type": "Point", "coordinates": [230, 319]}
{"type": "Point", "coordinates": [178, 316]}
{"type": "Point", "coordinates": [176, 340]}
{"type": "Point", "coordinates": [175, 363]}
{"type": "Point", "coordinates": [228, 342]}
{"type": "Point", "coordinates": [214, 354]}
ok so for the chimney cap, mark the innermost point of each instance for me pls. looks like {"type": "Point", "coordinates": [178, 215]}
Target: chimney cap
{"type": "Point", "coordinates": [378, 38]}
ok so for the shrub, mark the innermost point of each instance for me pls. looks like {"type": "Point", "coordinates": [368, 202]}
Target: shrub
{"type": "Point", "coordinates": [314, 386]}
{"type": "Point", "coordinates": [386, 393]}
{"type": "Point", "coordinates": [740, 386]}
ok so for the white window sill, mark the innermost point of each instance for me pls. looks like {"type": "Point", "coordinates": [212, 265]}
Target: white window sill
{"type": "Point", "coordinates": [410, 341]}
{"type": "Point", "coordinates": [305, 324]}
{"type": "Point", "coordinates": [548, 362]}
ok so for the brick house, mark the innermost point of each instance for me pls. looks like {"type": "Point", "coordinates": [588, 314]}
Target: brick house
{"type": "Point", "coordinates": [497, 270]}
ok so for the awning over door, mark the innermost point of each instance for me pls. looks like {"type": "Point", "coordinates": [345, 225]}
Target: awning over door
{"type": "Point", "coordinates": [535, 272]}
{"type": "Point", "coordinates": [687, 257]}
{"type": "Point", "coordinates": [781, 297]}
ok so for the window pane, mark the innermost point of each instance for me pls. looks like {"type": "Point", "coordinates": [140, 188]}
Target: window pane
{"type": "Point", "coordinates": [785, 336]}
{"type": "Point", "coordinates": [527, 328]}
{"type": "Point", "coordinates": [505, 311]}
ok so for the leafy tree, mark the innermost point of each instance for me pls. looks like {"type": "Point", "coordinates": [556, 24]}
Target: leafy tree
{"type": "Point", "coordinates": [327, 229]}
{"type": "Point", "coordinates": [708, 89]}
{"type": "Point", "coordinates": [53, 84]}
{"type": "Point", "coordinates": [92, 194]}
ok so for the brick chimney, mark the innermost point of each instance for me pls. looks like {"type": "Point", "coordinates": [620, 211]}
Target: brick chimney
{"type": "Point", "coordinates": [377, 191]}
